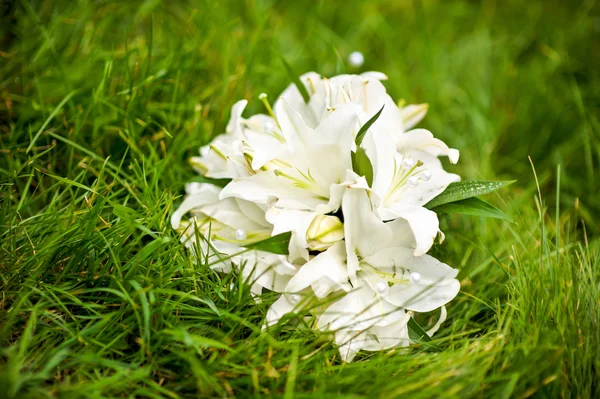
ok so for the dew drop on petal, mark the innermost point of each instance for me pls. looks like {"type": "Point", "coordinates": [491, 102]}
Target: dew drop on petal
{"type": "Point", "coordinates": [240, 234]}
{"type": "Point", "coordinates": [413, 181]}
{"type": "Point", "coordinates": [415, 277]}
{"type": "Point", "coordinates": [356, 59]}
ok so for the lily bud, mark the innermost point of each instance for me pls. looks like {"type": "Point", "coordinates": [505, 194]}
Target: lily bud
{"type": "Point", "coordinates": [323, 232]}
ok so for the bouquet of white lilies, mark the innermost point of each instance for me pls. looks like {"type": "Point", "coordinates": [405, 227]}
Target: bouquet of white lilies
{"type": "Point", "coordinates": [331, 200]}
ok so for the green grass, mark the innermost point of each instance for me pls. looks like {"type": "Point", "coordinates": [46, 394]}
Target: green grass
{"type": "Point", "coordinates": [103, 102]}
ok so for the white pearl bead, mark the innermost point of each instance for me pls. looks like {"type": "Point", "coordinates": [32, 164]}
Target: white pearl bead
{"type": "Point", "coordinates": [426, 175]}
{"type": "Point", "coordinates": [240, 234]}
{"type": "Point", "coordinates": [415, 277]}
{"type": "Point", "coordinates": [356, 59]}
{"type": "Point", "coordinates": [413, 181]}
{"type": "Point", "coordinates": [381, 287]}
{"type": "Point", "coordinates": [408, 163]}
{"type": "Point", "coordinates": [269, 127]}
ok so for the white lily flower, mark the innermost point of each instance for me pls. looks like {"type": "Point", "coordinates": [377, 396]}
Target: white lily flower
{"type": "Point", "coordinates": [362, 321]}
{"type": "Point", "coordinates": [386, 276]}
{"type": "Point", "coordinates": [386, 279]}
{"type": "Point", "coordinates": [382, 255]}
{"type": "Point", "coordinates": [311, 180]}
{"type": "Point", "coordinates": [365, 89]}
{"type": "Point", "coordinates": [215, 158]}
{"type": "Point", "coordinates": [406, 175]}
{"type": "Point", "coordinates": [246, 146]}
{"type": "Point", "coordinates": [318, 164]}
{"type": "Point", "coordinates": [225, 226]}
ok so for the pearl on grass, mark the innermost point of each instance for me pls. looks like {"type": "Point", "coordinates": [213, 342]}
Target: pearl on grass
{"type": "Point", "coordinates": [356, 59]}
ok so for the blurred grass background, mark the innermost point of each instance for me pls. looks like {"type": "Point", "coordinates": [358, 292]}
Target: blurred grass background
{"type": "Point", "coordinates": [103, 102]}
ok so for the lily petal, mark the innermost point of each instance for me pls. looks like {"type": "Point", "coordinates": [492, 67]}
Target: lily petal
{"type": "Point", "coordinates": [338, 127]}
{"type": "Point", "coordinates": [280, 308]}
{"type": "Point", "coordinates": [423, 222]}
{"type": "Point", "coordinates": [293, 127]}
{"type": "Point", "coordinates": [326, 273]}
{"type": "Point", "coordinates": [263, 187]}
{"type": "Point", "coordinates": [297, 222]}
{"type": "Point", "coordinates": [374, 75]}
{"type": "Point", "coordinates": [234, 125]}
{"type": "Point", "coordinates": [206, 194]}
{"type": "Point", "coordinates": [310, 112]}
{"type": "Point", "coordinates": [423, 140]}
{"type": "Point", "coordinates": [413, 114]}
{"type": "Point", "coordinates": [365, 233]}
{"type": "Point", "coordinates": [350, 343]}
{"type": "Point", "coordinates": [428, 283]}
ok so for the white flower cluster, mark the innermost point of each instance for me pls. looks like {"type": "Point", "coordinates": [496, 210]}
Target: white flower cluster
{"type": "Point", "coordinates": [358, 239]}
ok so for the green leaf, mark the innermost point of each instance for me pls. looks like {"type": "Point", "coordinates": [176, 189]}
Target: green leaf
{"type": "Point", "coordinates": [419, 336]}
{"type": "Point", "coordinates": [416, 332]}
{"type": "Point", "coordinates": [277, 244]}
{"type": "Point", "coordinates": [296, 79]}
{"type": "Point", "coordinates": [361, 164]}
{"type": "Point", "coordinates": [473, 207]}
{"type": "Point", "coordinates": [216, 182]}
{"type": "Point", "coordinates": [363, 129]}
{"type": "Point", "coordinates": [466, 189]}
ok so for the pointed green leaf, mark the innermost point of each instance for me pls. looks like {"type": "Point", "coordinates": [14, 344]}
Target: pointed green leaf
{"type": "Point", "coordinates": [361, 164]}
{"type": "Point", "coordinates": [363, 130]}
{"type": "Point", "coordinates": [416, 332]}
{"type": "Point", "coordinates": [277, 244]}
{"type": "Point", "coordinates": [473, 207]}
{"type": "Point", "coordinates": [216, 182]}
{"type": "Point", "coordinates": [419, 336]}
{"type": "Point", "coordinates": [466, 189]}
{"type": "Point", "coordinates": [296, 79]}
